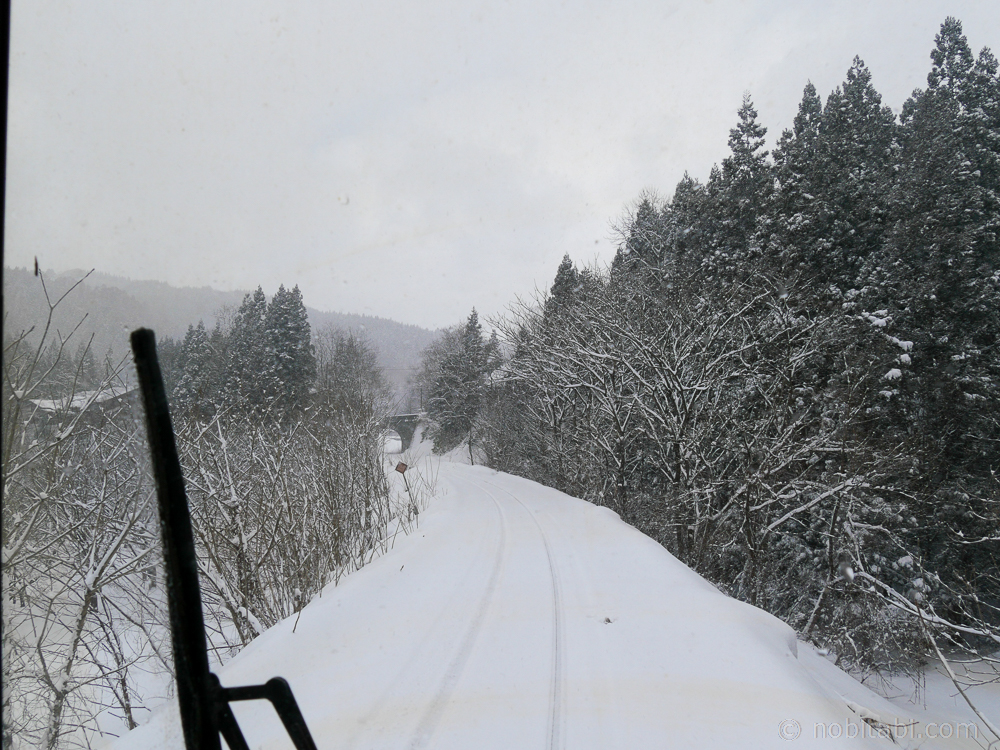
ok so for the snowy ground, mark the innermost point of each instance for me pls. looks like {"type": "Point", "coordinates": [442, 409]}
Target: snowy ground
{"type": "Point", "coordinates": [518, 617]}
{"type": "Point", "coordinates": [391, 442]}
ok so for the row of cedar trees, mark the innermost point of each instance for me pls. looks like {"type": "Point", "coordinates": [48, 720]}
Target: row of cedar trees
{"type": "Point", "coordinates": [262, 360]}
{"type": "Point", "coordinates": [789, 374]}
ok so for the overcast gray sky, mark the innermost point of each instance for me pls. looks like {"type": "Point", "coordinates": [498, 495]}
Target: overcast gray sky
{"type": "Point", "coordinates": [406, 160]}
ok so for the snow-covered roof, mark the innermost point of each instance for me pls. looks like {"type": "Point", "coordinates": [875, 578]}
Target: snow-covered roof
{"type": "Point", "coordinates": [82, 399]}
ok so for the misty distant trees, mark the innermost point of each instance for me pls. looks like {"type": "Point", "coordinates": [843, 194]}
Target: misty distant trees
{"type": "Point", "coordinates": [796, 364]}
{"type": "Point", "coordinates": [455, 377]}
{"type": "Point", "coordinates": [349, 380]}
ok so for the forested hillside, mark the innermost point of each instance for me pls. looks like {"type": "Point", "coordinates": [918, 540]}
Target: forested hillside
{"type": "Point", "coordinates": [789, 374]}
{"type": "Point", "coordinates": [113, 306]}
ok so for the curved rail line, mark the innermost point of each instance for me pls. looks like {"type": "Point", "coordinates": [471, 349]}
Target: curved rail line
{"type": "Point", "coordinates": [432, 714]}
{"type": "Point", "coordinates": [556, 691]}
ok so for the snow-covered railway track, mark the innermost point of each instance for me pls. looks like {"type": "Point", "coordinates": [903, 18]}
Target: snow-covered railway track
{"type": "Point", "coordinates": [557, 690]}
{"type": "Point", "coordinates": [437, 705]}
{"type": "Point", "coordinates": [499, 614]}
{"type": "Point", "coordinates": [518, 617]}
{"type": "Point", "coordinates": [416, 694]}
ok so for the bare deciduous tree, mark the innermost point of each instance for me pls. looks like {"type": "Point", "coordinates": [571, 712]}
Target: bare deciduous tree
{"type": "Point", "coordinates": [281, 507]}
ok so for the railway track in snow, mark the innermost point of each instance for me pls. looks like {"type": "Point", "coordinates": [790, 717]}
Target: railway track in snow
{"type": "Point", "coordinates": [478, 613]}
{"type": "Point", "coordinates": [557, 690]}
{"type": "Point", "coordinates": [432, 714]}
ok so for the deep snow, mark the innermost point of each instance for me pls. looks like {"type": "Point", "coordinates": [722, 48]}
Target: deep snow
{"type": "Point", "coordinates": [518, 617]}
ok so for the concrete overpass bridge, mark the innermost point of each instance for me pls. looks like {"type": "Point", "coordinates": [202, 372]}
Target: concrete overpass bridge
{"type": "Point", "coordinates": [405, 425]}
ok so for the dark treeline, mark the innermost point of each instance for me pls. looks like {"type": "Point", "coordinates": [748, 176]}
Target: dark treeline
{"type": "Point", "coordinates": [788, 375]}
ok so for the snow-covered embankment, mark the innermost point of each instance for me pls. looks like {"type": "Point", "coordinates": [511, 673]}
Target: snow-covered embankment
{"type": "Point", "coordinates": [518, 617]}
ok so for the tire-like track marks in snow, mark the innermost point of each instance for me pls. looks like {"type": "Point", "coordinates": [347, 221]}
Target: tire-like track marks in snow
{"type": "Point", "coordinates": [556, 691]}
{"type": "Point", "coordinates": [432, 714]}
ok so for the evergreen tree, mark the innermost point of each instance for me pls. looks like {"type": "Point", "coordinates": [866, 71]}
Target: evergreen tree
{"type": "Point", "coordinates": [456, 371]}
{"type": "Point", "coordinates": [218, 343]}
{"type": "Point", "coordinates": [196, 389]}
{"type": "Point", "coordinates": [250, 378]}
{"type": "Point", "coordinates": [855, 159]}
{"type": "Point", "coordinates": [643, 237]}
{"type": "Point", "coordinates": [939, 271]}
{"type": "Point", "coordinates": [170, 355]}
{"type": "Point", "coordinates": [736, 195]}
{"type": "Point", "coordinates": [745, 172]}
{"type": "Point", "coordinates": [684, 227]}
{"type": "Point", "coordinates": [289, 346]}
{"type": "Point", "coordinates": [833, 172]}
{"type": "Point", "coordinates": [946, 205]}
{"type": "Point", "coordinates": [563, 288]}
{"type": "Point", "coordinates": [795, 236]}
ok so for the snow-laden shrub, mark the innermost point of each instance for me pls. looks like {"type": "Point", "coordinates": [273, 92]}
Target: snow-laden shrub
{"type": "Point", "coordinates": [279, 510]}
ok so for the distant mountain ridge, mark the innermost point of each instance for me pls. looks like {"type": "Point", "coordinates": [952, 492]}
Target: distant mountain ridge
{"type": "Point", "coordinates": [114, 306]}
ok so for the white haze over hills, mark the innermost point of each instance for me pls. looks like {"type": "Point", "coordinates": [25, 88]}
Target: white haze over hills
{"type": "Point", "coordinates": [112, 306]}
{"type": "Point", "coordinates": [412, 159]}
